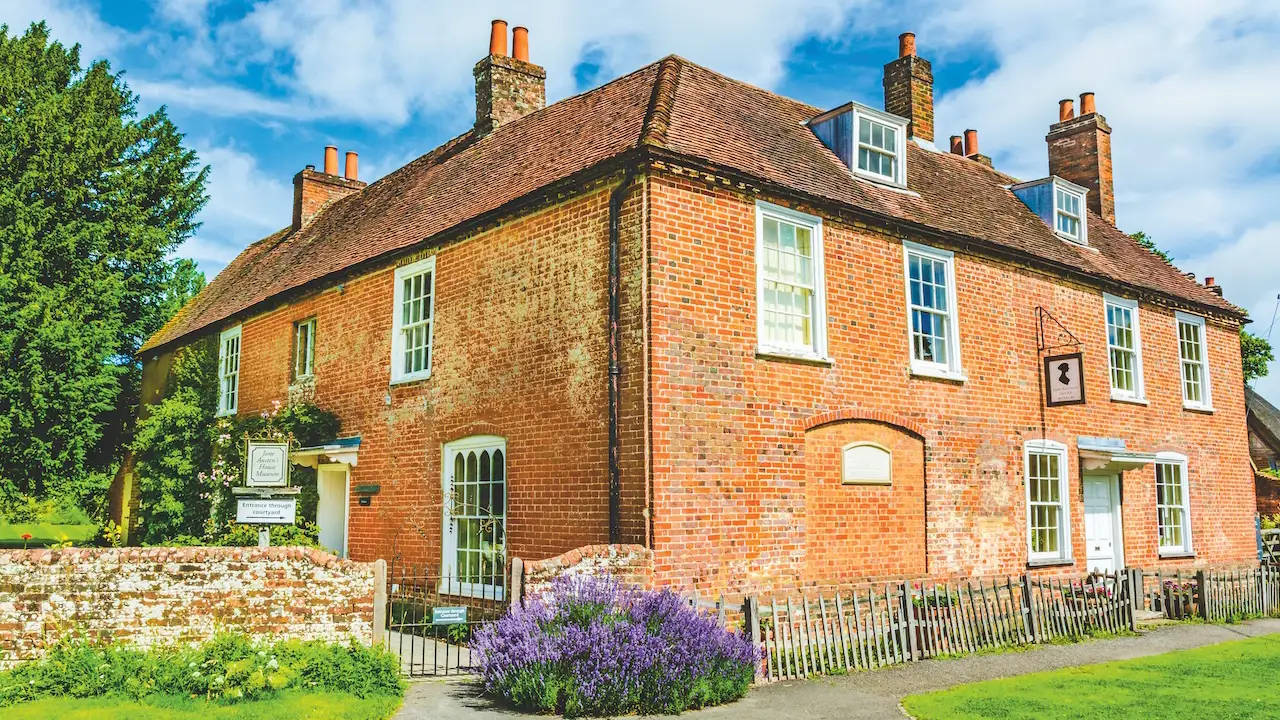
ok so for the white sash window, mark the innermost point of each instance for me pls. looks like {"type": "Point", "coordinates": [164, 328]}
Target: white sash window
{"type": "Point", "coordinates": [413, 321]}
{"type": "Point", "coordinates": [229, 372]}
{"type": "Point", "coordinates": [475, 514]}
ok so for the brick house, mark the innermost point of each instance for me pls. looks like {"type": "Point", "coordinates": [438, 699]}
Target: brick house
{"type": "Point", "coordinates": [774, 345]}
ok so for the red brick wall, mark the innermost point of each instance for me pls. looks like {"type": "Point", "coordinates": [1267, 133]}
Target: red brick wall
{"type": "Point", "coordinates": [519, 351]}
{"type": "Point", "coordinates": [879, 528]}
{"type": "Point", "coordinates": [730, 453]}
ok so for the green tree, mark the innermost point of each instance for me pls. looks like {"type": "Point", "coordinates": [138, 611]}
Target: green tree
{"type": "Point", "coordinates": [172, 448]}
{"type": "Point", "coordinates": [1145, 241]}
{"type": "Point", "coordinates": [1255, 352]}
{"type": "Point", "coordinates": [93, 199]}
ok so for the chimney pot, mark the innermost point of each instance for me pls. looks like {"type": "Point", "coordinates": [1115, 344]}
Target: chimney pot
{"type": "Point", "coordinates": [957, 145]}
{"type": "Point", "coordinates": [1086, 104]}
{"type": "Point", "coordinates": [520, 44]}
{"type": "Point", "coordinates": [352, 169]}
{"type": "Point", "coordinates": [908, 89]}
{"type": "Point", "coordinates": [907, 45]}
{"type": "Point", "coordinates": [330, 160]}
{"type": "Point", "coordinates": [507, 89]}
{"type": "Point", "coordinates": [1080, 152]}
{"type": "Point", "coordinates": [970, 142]}
{"type": "Point", "coordinates": [1066, 110]}
{"type": "Point", "coordinates": [1208, 281]}
{"type": "Point", "coordinates": [498, 38]}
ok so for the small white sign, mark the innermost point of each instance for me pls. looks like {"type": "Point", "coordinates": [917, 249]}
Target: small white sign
{"type": "Point", "coordinates": [866, 464]}
{"type": "Point", "coordinates": [267, 464]}
{"type": "Point", "coordinates": [266, 512]}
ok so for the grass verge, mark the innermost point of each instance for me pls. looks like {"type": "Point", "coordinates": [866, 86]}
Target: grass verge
{"type": "Point", "coordinates": [1220, 681]}
{"type": "Point", "coordinates": [44, 534]}
{"type": "Point", "coordinates": [289, 705]}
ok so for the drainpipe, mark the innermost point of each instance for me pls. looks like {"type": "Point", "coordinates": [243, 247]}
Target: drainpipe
{"type": "Point", "coordinates": [615, 371]}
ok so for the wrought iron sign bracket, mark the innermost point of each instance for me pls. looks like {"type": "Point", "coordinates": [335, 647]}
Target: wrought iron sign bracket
{"type": "Point", "coordinates": [1051, 334]}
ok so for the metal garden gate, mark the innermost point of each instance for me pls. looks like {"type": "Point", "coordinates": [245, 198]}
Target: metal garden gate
{"type": "Point", "coordinates": [431, 616]}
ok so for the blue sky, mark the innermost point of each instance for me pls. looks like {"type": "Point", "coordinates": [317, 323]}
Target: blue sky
{"type": "Point", "coordinates": [1188, 86]}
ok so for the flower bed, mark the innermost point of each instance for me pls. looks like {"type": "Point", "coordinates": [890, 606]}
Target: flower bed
{"type": "Point", "coordinates": [591, 647]}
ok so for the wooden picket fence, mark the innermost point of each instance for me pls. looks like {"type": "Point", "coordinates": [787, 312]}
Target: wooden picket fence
{"type": "Point", "coordinates": [1236, 594]}
{"type": "Point", "coordinates": [1269, 546]}
{"type": "Point", "coordinates": [1213, 594]}
{"type": "Point", "coordinates": [871, 626]}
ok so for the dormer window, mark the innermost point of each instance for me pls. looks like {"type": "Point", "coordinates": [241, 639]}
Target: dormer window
{"type": "Point", "coordinates": [878, 149]}
{"type": "Point", "coordinates": [1068, 220]}
{"type": "Point", "coordinates": [871, 143]}
{"type": "Point", "coordinates": [1059, 203]}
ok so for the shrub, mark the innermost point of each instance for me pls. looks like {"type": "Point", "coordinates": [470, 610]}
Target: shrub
{"type": "Point", "coordinates": [227, 669]}
{"type": "Point", "coordinates": [591, 647]}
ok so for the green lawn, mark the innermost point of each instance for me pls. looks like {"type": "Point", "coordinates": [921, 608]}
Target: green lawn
{"type": "Point", "coordinates": [1228, 681]}
{"type": "Point", "coordinates": [44, 534]}
{"type": "Point", "coordinates": [288, 706]}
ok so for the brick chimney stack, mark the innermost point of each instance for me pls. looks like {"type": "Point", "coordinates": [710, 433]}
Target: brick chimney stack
{"type": "Point", "coordinates": [908, 88]}
{"type": "Point", "coordinates": [507, 88]}
{"type": "Point", "coordinates": [314, 191]}
{"type": "Point", "coordinates": [1080, 151]}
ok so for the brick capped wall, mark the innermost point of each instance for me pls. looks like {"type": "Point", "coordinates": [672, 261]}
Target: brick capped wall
{"type": "Point", "coordinates": [629, 564]}
{"type": "Point", "coordinates": [149, 597]}
{"type": "Point", "coordinates": [731, 448]}
{"type": "Point", "coordinates": [519, 351]}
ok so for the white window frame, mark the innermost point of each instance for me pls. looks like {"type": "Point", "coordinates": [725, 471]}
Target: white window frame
{"type": "Point", "coordinates": [818, 350]}
{"type": "Point", "coordinates": [305, 354]}
{"type": "Point", "coordinates": [229, 406]}
{"type": "Point", "coordinates": [1079, 193]}
{"type": "Point", "coordinates": [1049, 447]}
{"type": "Point", "coordinates": [1138, 394]}
{"type": "Point", "coordinates": [1206, 393]}
{"type": "Point", "coordinates": [1187, 547]}
{"type": "Point", "coordinates": [899, 125]}
{"type": "Point", "coordinates": [953, 369]}
{"type": "Point", "coordinates": [449, 581]}
{"type": "Point", "coordinates": [398, 375]}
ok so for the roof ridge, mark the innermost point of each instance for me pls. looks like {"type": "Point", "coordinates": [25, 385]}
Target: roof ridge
{"type": "Point", "coordinates": [657, 117]}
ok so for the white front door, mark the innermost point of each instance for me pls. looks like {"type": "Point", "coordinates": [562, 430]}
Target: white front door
{"type": "Point", "coordinates": [1103, 544]}
{"type": "Point", "coordinates": [331, 509]}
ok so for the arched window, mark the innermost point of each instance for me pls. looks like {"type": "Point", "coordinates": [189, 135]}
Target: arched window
{"type": "Point", "coordinates": [475, 513]}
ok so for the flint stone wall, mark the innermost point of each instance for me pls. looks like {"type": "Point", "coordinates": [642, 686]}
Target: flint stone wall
{"type": "Point", "coordinates": [147, 597]}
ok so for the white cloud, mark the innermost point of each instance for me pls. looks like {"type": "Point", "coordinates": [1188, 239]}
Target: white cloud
{"type": "Point", "coordinates": [70, 21]}
{"type": "Point", "coordinates": [385, 61]}
{"type": "Point", "coordinates": [1246, 269]}
{"type": "Point", "coordinates": [245, 204]}
{"type": "Point", "coordinates": [215, 99]}
{"type": "Point", "coordinates": [1185, 86]}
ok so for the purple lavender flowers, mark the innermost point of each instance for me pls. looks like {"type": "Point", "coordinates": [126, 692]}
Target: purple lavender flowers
{"type": "Point", "coordinates": [592, 647]}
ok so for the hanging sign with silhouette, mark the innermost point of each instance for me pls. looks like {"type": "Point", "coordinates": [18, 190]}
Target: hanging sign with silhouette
{"type": "Point", "coordinates": [1064, 380]}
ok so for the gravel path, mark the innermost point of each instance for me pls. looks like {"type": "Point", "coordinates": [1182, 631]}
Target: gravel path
{"type": "Point", "coordinates": [871, 695]}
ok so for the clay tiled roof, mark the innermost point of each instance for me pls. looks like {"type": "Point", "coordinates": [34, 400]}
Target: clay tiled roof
{"type": "Point", "coordinates": [1264, 417]}
{"type": "Point", "coordinates": [677, 108]}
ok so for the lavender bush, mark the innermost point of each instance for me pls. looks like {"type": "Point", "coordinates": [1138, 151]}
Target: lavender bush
{"type": "Point", "coordinates": [592, 647]}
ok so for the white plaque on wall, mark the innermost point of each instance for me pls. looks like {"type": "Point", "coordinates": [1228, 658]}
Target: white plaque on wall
{"type": "Point", "coordinates": [866, 464]}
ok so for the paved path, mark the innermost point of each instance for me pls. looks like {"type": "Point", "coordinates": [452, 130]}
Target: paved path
{"type": "Point", "coordinates": [869, 695]}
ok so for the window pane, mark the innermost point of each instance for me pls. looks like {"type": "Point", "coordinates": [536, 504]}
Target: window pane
{"type": "Point", "coordinates": [1047, 503]}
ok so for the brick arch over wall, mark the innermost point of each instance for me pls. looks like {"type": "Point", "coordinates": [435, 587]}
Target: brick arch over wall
{"type": "Point", "coordinates": [863, 532]}
{"type": "Point", "coordinates": [879, 416]}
